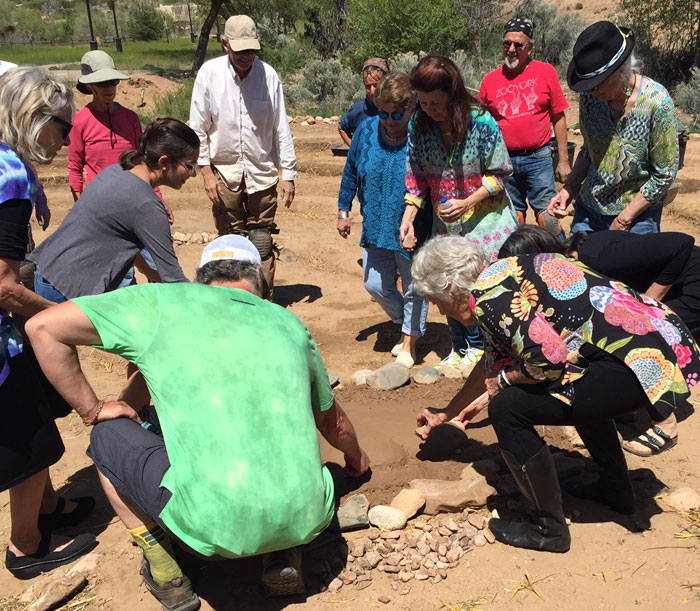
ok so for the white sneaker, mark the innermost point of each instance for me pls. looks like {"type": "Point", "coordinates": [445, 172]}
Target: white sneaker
{"type": "Point", "coordinates": [453, 359]}
{"type": "Point", "coordinates": [398, 348]}
{"type": "Point", "coordinates": [406, 358]}
{"type": "Point", "coordinates": [472, 356]}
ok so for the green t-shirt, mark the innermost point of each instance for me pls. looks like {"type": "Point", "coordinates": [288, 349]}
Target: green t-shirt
{"type": "Point", "coordinates": [234, 380]}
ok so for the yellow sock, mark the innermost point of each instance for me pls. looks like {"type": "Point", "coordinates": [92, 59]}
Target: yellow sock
{"type": "Point", "coordinates": [158, 551]}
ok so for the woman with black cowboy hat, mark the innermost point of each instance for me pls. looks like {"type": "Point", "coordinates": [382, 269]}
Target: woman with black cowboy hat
{"type": "Point", "coordinates": [629, 157]}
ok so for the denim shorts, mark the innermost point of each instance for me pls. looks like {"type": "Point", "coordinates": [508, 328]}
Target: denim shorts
{"type": "Point", "coordinates": [589, 221]}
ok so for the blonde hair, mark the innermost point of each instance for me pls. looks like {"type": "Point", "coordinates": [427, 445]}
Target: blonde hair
{"type": "Point", "coordinates": [29, 98]}
{"type": "Point", "coordinates": [394, 88]}
{"type": "Point", "coordinates": [447, 261]}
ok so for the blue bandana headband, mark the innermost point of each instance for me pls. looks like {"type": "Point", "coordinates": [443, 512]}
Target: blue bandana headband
{"type": "Point", "coordinates": [611, 63]}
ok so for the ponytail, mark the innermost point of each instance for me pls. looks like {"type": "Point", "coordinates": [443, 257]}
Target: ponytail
{"type": "Point", "coordinates": [163, 137]}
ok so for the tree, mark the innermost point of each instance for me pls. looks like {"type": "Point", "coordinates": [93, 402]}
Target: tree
{"type": "Point", "coordinates": [555, 34]}
{"type": "Point", "coordinates": [145, 23]}
{"type": "Point", "coordinates": [387, 27]}
{"type": "Point", "coordinates": [326, 26]}
{"type": "Point", "coordinates": [28, 23]}
{"type": "Point", "coordinates": [202, 42]}
{"type": "Point", "coordinates": [480, 18]}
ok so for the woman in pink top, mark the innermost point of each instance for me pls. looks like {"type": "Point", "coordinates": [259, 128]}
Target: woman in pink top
{"type": "Point", "coordinates": [102, 131]}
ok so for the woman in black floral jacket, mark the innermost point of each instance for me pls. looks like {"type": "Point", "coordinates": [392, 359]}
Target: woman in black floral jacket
{"type": "Point", "coordinates": [565, 345]}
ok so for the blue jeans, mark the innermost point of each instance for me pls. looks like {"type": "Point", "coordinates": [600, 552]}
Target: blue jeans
{"type": "Point", "coordinates": [129, 279]}
{"type": "Point", "coordinates": [45, 289]}
{"type": "Point", "coordinates": [464, 336]}
{"type": "Point", "coordinates": [380, 268]}
{"type": "Point", "coordinates": [532, 180]}
{"type": "Point", "coordinates": [590, 221]}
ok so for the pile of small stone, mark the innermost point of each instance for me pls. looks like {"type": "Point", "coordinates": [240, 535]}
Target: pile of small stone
{"type": "Point", "coordinates": [306, 120]}
{"type": "Point", "coordinates": [193, 238]}
{"type": "Point", "coordinates": [425, 551]}
{"type": "Point", "coordinates": [394, 375]}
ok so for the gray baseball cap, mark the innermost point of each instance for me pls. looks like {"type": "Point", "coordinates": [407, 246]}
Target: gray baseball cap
{"type": "Point", "coordinates": [97, 67]}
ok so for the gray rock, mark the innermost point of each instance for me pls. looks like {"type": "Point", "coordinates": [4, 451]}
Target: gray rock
{"type": "Point", "coordinates": [567, 466]}
{"type": "Point", "coordinates": [427, 375]}
{"type": "Point", "coordinates": [333, 379]}
{"type": "Point", "coordinates": [442, 496]}
{"type": "Point", "coordinates": [352, 514]}
{"type": "Point", "coordinates": [359, 378]}
{"type": "Point", "coordinates": [390, 376]}
{"type": "Point", "coordinates": [288, 255]}
{"type": "Point", "coordinates": [387, 518]}
{"type": "Point", "coordinates": [373, 558]}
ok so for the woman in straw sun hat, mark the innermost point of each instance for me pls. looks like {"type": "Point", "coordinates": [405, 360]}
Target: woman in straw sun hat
{"type": "Point", "coordinates": [629, 157]}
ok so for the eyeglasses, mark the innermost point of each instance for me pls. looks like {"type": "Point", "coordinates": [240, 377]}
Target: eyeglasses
{"type": "Point", "coordinates": [245, 52]}
{"type": "Point", "coordinates": [65, 126]}
{"type": "Point", "coordinates": [396, 116]}
{"type": "Point", "coordinates": [508, 43]}
{"type": "Point", "coordinates": [103, 84]}
{"type": "Point", "coordinates": [190, 167]}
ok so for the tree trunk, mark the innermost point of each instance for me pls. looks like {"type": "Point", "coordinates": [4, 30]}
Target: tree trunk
{"type": "Point", "coordinates": [203, 41]}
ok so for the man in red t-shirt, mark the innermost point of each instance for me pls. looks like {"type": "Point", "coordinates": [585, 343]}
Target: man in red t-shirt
{"type": "Point", "coordinates": [525, 98]}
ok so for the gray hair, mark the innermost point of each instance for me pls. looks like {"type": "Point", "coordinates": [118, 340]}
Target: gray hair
{"type": "Point", "coordinates": [447, 261]}
{"type": "Point", "coordinates": [632, 65]}
{"type": "Point", "coordinates": [29, 98]}
{"type": "Point", "coordinates": [231, 270]}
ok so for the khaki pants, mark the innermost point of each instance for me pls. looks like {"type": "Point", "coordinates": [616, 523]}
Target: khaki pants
{"type": "Point", "coordinates": [242, 211]}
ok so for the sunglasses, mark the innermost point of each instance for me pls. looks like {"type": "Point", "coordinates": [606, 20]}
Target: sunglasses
{"type": "Point", "coordinates": [396, 116]}
{"type": "Point", "coordinates": [245, 52]}
{"type": "Point", "coordinates": [113, 83]}
{"type": "Point", "coordinates": [190, 167]}
{"type": "Point", "coordinates": [65, 126]}
{"type": "Point", "coordinates": [508, 43]}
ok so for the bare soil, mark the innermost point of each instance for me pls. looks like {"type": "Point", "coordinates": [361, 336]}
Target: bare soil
{"type": "Point", "coordinates": [610, 566]}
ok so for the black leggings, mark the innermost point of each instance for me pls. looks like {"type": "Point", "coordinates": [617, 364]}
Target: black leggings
{"type": "Point", "coordinates": [608, 390]}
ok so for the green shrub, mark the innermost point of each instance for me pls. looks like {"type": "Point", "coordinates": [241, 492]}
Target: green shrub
{"type": "Point", "coordinates": [325, 87]}
{"type": "Point", "coordinates": [687, 98]}
{"type": "Point", "coordinates": [145, 23]}
{"type": "Point", "coordinates": [175, 104]}
{"type": "Point", "coordinates": [579, 6]}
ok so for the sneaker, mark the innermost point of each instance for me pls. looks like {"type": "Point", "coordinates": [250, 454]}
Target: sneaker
{"type": "Point", "coordinates": [472, 356]}
{"type": "Point", "coordinates": [406, 358]}
{"type": "Point", "coordinates": [453, 359]}
{"type": "Point", "coordinates": [176, 595]}
{"type": "Point", "coordinates": [282, 574]}
{"type": "Point", "coordinates": [398, 348]}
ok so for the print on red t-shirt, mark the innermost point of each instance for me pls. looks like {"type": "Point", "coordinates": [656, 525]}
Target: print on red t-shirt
{"type": "Point", "coordinates": [523, 104]}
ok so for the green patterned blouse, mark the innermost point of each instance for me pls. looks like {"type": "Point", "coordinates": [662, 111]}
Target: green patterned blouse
{"type": "Point", "coordinates": [638, 154]}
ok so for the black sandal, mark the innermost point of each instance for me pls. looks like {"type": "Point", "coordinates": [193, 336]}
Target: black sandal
{"type": "Point", "coordinates": [651, 442]}
{"type": "Point", "coordinates": [43, 561]}
{"type": "Point", "coordinates": [57, 519]}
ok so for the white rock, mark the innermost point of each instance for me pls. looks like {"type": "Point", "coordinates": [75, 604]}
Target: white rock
{"type": "Point", "coordinates": [387, 518]}
{"type": "Point", "coordinates": [683, 499]}
{"type": "Point", "coordinates": [359, 378]}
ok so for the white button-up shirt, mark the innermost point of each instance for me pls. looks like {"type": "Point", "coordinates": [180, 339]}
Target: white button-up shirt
{"type": "Point", "coordinates": [242, 124]}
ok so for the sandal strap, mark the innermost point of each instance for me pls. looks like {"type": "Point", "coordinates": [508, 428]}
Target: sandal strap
{"type": "Point", "coordinates": [44, 544]}
{"type": "Point", "coordinates": [650, 442]}
{"type": "Point", "coordinates": [661, 434]}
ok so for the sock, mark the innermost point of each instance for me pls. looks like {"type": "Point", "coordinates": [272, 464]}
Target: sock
{"type": "Point", "coordinates": [158, 551]}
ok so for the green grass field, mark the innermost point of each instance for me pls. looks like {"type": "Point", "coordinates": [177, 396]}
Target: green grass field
{"type": "Point", "coordinates": [158, 56]}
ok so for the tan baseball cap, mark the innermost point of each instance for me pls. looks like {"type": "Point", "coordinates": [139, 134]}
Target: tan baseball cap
{"type": "Point", "coordinates": [241, 34]}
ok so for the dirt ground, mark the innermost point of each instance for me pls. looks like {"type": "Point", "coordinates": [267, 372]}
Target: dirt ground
{"type": "Point", "coordinates": [609, 566]}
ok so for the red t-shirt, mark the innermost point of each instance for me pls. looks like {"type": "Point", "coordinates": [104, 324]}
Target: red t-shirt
{"type": "Point", "coordinates": [523, 104]}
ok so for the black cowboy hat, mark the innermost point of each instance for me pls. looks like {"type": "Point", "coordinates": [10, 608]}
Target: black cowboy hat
{"type": "Point", "coordinates": [600, 50]}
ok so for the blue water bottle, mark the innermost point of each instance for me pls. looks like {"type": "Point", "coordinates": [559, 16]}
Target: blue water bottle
{"type": "Point", "coordinates": [452, 228]}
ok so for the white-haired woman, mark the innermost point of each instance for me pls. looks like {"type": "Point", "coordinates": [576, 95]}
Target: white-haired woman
{"type": "Point", "coordinates": [34, 124]}
{"type": "Point", "coordinates": [629, 156]}
{"type": "Point", "coordinates": [564, 346]}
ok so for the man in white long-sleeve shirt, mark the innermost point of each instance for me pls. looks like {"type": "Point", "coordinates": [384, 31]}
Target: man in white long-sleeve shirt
{"type": "Point", "coordinates": [238, 113]}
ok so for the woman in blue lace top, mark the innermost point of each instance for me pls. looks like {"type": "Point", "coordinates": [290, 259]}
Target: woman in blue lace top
{"type": "Point", "coordinates": [375, 172]}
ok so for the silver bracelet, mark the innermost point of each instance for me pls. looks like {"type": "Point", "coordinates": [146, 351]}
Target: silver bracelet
{"type": "Point", "coordinates": [343, 214]}
{"type": "Point", "coordinates": [502, 375]}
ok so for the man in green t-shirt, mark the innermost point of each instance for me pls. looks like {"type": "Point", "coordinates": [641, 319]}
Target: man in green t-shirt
{"type": "Point", "coordinates": [238, 471]}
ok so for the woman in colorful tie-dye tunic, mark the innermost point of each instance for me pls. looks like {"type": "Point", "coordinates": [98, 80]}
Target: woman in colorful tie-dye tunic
{"type": "Point", "coordinates": [564, 346]}
{"type": "Point", "coordinates": [456, 154]}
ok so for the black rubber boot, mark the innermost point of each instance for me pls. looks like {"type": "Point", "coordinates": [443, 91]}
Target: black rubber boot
{"type": "Point", "coordinates": [613, 486]}
{"type": "Point", "coordinates": [537, 480]}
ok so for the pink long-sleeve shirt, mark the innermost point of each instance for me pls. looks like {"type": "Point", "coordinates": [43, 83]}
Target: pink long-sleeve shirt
{"type": "Point", "coordinates": [94, 146]}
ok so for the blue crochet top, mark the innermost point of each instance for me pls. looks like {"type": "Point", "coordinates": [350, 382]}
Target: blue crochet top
{"type": "Point", "coordinates": [375, 172]}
